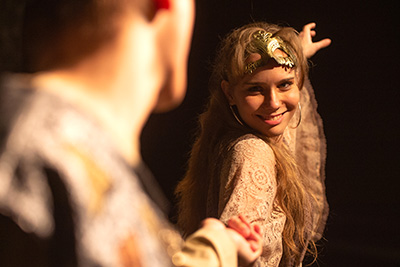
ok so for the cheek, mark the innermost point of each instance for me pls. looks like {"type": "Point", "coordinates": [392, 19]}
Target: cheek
{"type": "Point", "coordinates": [252, 103]}
{"type": "Point", "coordinates": [292, 99]}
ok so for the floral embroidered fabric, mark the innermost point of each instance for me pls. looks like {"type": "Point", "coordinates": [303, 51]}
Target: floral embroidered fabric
{"type": "Point", "coordinates": [61, 176]}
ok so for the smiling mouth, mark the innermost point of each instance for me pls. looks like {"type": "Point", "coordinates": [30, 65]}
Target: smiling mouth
{"type": "Point", "coordinates": [272, 118]}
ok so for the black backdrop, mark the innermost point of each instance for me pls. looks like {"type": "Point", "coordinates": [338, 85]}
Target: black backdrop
{"type": "Point", "coordinates": [356, 81]}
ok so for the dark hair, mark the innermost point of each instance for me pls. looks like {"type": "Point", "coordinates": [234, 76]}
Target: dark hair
{"type": "Point", "coordinates": [47, 34]}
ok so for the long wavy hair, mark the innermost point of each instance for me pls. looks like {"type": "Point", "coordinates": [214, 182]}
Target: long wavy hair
{"type": "Point", "coordinates": [218, 129]}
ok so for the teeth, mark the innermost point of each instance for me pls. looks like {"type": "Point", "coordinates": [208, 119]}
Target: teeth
{"type": "Point", "coordinates": [274, 118]}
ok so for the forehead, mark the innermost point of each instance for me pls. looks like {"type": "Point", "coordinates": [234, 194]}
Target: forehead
{"type": "Point", "coordinates": [253, 57]}
{"type": "Point", "coordinates": [272, 72]}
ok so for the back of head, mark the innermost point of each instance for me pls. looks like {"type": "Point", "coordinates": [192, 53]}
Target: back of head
{"type": "Point", "coordinates": [46, 34]}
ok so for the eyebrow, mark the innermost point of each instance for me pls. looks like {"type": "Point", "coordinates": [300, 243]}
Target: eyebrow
{"type": "Point", "coordinates": [280, 81]}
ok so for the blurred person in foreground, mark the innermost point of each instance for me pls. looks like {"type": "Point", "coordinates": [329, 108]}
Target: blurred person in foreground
{"type": "Point", "coordinates": [73, 188]}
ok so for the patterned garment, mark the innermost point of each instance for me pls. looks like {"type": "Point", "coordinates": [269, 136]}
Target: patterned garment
{"type": "Point", "coordinates": [248, 181]}
{"type": "Point", "coordinates": [75, 200]}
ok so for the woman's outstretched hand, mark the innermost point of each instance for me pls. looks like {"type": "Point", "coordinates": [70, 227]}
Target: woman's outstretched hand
{"type": "Point", "coordinates": [310, 47]}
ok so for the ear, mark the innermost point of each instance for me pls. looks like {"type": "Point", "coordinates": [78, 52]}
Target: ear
{"type": "Point", "coordinates": [161, 4]}
{"type": "Point", "coordinates": [173, 32]}
{"type": "Point", "coordinates": [227, 91]}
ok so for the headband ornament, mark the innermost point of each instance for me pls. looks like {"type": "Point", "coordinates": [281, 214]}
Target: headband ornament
{"type": "Point", "coordinates": [266, 46]}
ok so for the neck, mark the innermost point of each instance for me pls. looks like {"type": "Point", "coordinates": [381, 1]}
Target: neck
{"type": "Point", "coordinates": [278, 140]}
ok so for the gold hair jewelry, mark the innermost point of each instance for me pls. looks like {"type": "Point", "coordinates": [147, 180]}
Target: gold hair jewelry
{"type": "Point", "coordinates": [234, 115]}
{"type": "Point", "coordinates": [266, 46]}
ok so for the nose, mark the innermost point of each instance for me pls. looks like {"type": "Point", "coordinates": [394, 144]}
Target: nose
{"type": "Point", "coordinates": [272, 100]}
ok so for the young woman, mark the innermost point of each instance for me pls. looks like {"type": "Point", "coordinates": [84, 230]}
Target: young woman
{"type": "Point", "coordinates": [260, 149]}
{"type": "Point", "coordinates": [73, 190]}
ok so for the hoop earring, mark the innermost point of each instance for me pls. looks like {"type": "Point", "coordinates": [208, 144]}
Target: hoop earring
{"type": "Point", "coordinates": [298, 123]}
{"type": "Point", "coordinates": [234, 115]}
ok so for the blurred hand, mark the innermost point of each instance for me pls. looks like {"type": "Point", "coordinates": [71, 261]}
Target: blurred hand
{"type": "Point", "coordinates": [310, 47]}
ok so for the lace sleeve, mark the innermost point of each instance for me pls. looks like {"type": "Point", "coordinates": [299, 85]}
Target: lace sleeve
{"type": "Point", "coordinates": [248, 187]}
{"type": "Point", "coordinates": [248, 183]}
{"type": "Point", "coordinates": [308, 144]}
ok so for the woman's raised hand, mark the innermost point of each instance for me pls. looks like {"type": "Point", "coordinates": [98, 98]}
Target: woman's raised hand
{"type": "Point", "coordinates": [310, 47]}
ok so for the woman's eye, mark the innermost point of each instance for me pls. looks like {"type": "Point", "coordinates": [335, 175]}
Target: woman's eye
{"type": "Point", "coordinates": [255, 89]}
{"type": "Point", "coordinates": [286, 85]}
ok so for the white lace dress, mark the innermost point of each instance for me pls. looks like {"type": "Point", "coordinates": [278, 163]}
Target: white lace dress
{"type": "Point", "coordinates": [248, 180]}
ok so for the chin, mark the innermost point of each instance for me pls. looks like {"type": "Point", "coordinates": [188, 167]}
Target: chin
{"type": "Point", "coordinates": [274, 133]}
{"type": "Point", "coordinates": [165, 107]}
{"type": "Point", "coordinates": [169, 99]}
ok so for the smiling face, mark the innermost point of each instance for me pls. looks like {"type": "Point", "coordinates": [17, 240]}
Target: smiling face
{"type": "Point", "coordinates": [267, 99]}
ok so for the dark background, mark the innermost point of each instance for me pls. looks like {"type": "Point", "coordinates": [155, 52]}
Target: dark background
{"type": "Point", "coordinates": [356, 81]}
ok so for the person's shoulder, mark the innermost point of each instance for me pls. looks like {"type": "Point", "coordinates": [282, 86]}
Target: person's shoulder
{"type": "Point", "coordinates": [251, 141]}
{"type": "Point", "coordinates": [250, 145]}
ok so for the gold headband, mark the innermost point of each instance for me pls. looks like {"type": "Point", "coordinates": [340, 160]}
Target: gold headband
{"type": "Point", "coordinates": [266, 45]}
